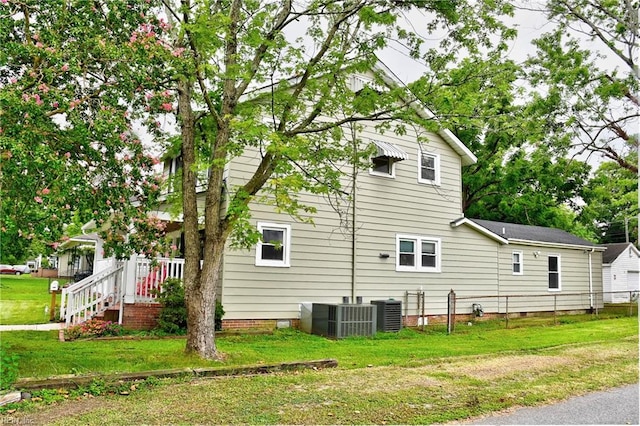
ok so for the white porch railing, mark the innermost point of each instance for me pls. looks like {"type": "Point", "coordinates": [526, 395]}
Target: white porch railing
{"type": "Point", "coordinates": [91, 296]}
{"type": "Point", "coordinates": [150, 274]}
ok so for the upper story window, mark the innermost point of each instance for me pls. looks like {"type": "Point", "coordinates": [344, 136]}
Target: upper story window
{"type": "Point", "coordinates": [428, 167]}
{"type": "Point", "coordinates": [555, 282]}
{"type": "Point", "coordinates": [517, 266]}
{"type": "Point", "coordinates": [384, 160]}
{"type": "Point", "coordinates": [382, 166]}
{"type": "Point", "coordinates": [173, 172]}
{"type": "Point", "coordinates": [417, 254]}
{"type": "Point", "coordinates": [274, 248]}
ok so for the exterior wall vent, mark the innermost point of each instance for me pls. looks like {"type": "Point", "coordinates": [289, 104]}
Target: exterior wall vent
{"type": "Point", "coordinates": [338, 321]}
{"type": "Point", "coordinates": [389, 315]}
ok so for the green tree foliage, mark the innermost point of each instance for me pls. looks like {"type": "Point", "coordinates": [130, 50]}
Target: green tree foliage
{"type": "Point", "coordinates": [591, 93]}
{"type": "Point", "coordinates": [518, 178]}
{"type": "Point", "coordinates": [271, 76]}
{"type": "Point", "coordinates": [611, 197]}
{"type": "Point", "coordinates": [297, 120]}
{"type": "Point", "coordinates": [73, 78]}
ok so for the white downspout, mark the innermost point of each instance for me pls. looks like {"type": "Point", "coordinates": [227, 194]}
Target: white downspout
{"type": "Point", "coordinates": [354, 219]}
{"type": "Point", "coordinates": [591, 280]}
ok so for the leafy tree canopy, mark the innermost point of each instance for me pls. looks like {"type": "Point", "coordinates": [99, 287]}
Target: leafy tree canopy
{"type": "Point", "coordinates": [518, 178]}
{"type": "Point", "coordinates": [611, 198]}
{"type": "Point", "coordinates": [73, 81]}
{"type": "Point", "coordinates": [591, 93]}
{"type": "Point", "coordinates": [272, 77]}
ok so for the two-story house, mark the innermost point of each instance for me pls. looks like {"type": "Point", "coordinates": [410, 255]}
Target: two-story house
{"type": "Point", "coordinates": [400, 231]}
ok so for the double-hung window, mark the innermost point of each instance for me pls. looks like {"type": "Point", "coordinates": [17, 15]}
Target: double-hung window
{"type": "Point", "coordinates": [417, 253]}
{"type": "Point", "coordinates": [428, 167]}
{"type": "Point", "coordinates": [554, 273]}
{"type": "Point", "coordinates": [274, 248]}
{"type": "Point", "coordinates": [517, 265]}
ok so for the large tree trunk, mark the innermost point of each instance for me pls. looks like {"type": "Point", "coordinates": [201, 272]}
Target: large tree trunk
{"type": "Point", "coordinates": [201, 305]}
{"type": "Point", "coordinates": [199, 284]}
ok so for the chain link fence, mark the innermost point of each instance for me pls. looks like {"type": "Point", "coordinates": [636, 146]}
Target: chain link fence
{"type": "Point", "coordinates": [550, 307]}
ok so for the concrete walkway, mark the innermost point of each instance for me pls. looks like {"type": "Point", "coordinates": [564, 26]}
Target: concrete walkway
{"type": "Point", "coordinates": [33, 327]}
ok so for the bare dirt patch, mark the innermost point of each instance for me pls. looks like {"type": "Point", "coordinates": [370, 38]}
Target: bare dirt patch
{"type": "Point", "coordinates": [46, 414]}
{"type": "Point", "coordinates": [504, 366]}
{"type": "Point", "coordinates": [379, 379]}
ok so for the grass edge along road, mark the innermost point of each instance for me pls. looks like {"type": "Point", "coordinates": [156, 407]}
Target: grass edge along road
{"type": "Point", "coordinates": [412, 378]}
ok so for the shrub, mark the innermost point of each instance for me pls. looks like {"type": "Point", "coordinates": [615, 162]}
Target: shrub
{"type": "Point", "coordinates": [8, 367]}
{"type": "Point", "coordinates": [173, 316]}
{"type": "Point", "coordinates": [219, 315]}
{"type": "Point", "coordinates": [93, 328]}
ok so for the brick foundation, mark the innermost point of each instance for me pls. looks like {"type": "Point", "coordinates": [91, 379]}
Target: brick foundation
{"type": "Point", "coordinates": [141, 316]}
{"type": "Point", "coordinates": [263, 324]}
{"type": "Point", "coordinates": [144, 316]}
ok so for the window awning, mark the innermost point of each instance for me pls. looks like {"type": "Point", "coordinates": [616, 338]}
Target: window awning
{"type": "Point", "coordinates": [386, 149]}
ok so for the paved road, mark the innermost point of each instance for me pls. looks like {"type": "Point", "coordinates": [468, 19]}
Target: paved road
{"type": "Point", "coordinates": [619, 406]}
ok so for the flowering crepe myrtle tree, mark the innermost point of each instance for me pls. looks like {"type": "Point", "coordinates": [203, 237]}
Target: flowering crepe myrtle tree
{"type": "Point", "coordinates": [73, 78]}
{"type": "Point", "coordinates": [270, 75]}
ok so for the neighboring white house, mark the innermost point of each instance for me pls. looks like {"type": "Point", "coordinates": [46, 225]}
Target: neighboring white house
{"type": "Point", "coordinates": [620, 272]}
{"type": "Point", "coordinates": [401, 230]}
{"type": "Point", "coordinates": [76, 256]}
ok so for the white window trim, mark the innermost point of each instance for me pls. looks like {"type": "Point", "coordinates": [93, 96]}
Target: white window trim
{"type": "Point", "coordinates": [385, 175]}
{"type": "Point", "coordinates": [285, 263]}
{"type": "Point", "coordinates": [436, 157]}
{"type": "Point", "coordinates": [417, 255]}
{"type": "Point", "coordinates": [559, 272]}
{"type": "Point", "coordinates": [521, 262]}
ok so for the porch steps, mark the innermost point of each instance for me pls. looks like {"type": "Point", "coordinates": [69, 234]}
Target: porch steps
{"type": "Point", "coordinates": [109, 314]}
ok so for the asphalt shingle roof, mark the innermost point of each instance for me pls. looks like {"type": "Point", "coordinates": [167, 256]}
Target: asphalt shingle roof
{"type": "Point", "coordinates": [532, 233]}
{"type": "Point", "coordinates": [613, 251]}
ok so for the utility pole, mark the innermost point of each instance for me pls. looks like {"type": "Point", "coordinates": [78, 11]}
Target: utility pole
{"type": "Point", "coordinates": [626, 229]}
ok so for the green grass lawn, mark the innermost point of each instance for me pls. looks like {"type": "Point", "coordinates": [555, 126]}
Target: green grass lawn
{"type": "Point", "coordinates": [42, 355]}
{"type": "Point", "coordinates": [23, 299]}
{"type": "Point", "coordinates": [410, 377]}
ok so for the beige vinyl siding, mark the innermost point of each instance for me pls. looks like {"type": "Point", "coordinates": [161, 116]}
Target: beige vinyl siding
{"type": "Point", "coordinates": [469, 267]}
{"type": "Point", "coordinates": [321, 255]}
{"type": "Point", "coordinates": [320, 270]}
{"type": "Point", "coordinates": [574, 278]}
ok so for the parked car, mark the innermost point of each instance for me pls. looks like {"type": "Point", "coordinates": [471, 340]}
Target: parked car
{"type": "Point", "coordinates": [23, 269]}
{"type": "Point", "coordinates": [8, 269]}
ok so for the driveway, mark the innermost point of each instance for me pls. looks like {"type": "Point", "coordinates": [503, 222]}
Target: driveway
{"type": "Point", "coordinates": [618, 406]}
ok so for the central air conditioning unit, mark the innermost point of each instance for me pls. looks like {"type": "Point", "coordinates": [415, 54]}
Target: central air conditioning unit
{"type": "Point", "coordinates": [338, 321]}
{"type": "Point", "coordinates": [389, 314]}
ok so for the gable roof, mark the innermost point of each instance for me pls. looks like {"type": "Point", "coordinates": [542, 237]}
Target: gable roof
{"type": "Point", "coordinates": [615, 250]}
{"type": "Point", "coordinates": [391, 81]}
{"type": "Point", "coordinates": [451, 139]}
{"type": "Point", "coordinates": [527, 234]}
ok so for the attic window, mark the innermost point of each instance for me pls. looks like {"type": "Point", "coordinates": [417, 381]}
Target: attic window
{"type": "Point", "coordinates": [383, 161]}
